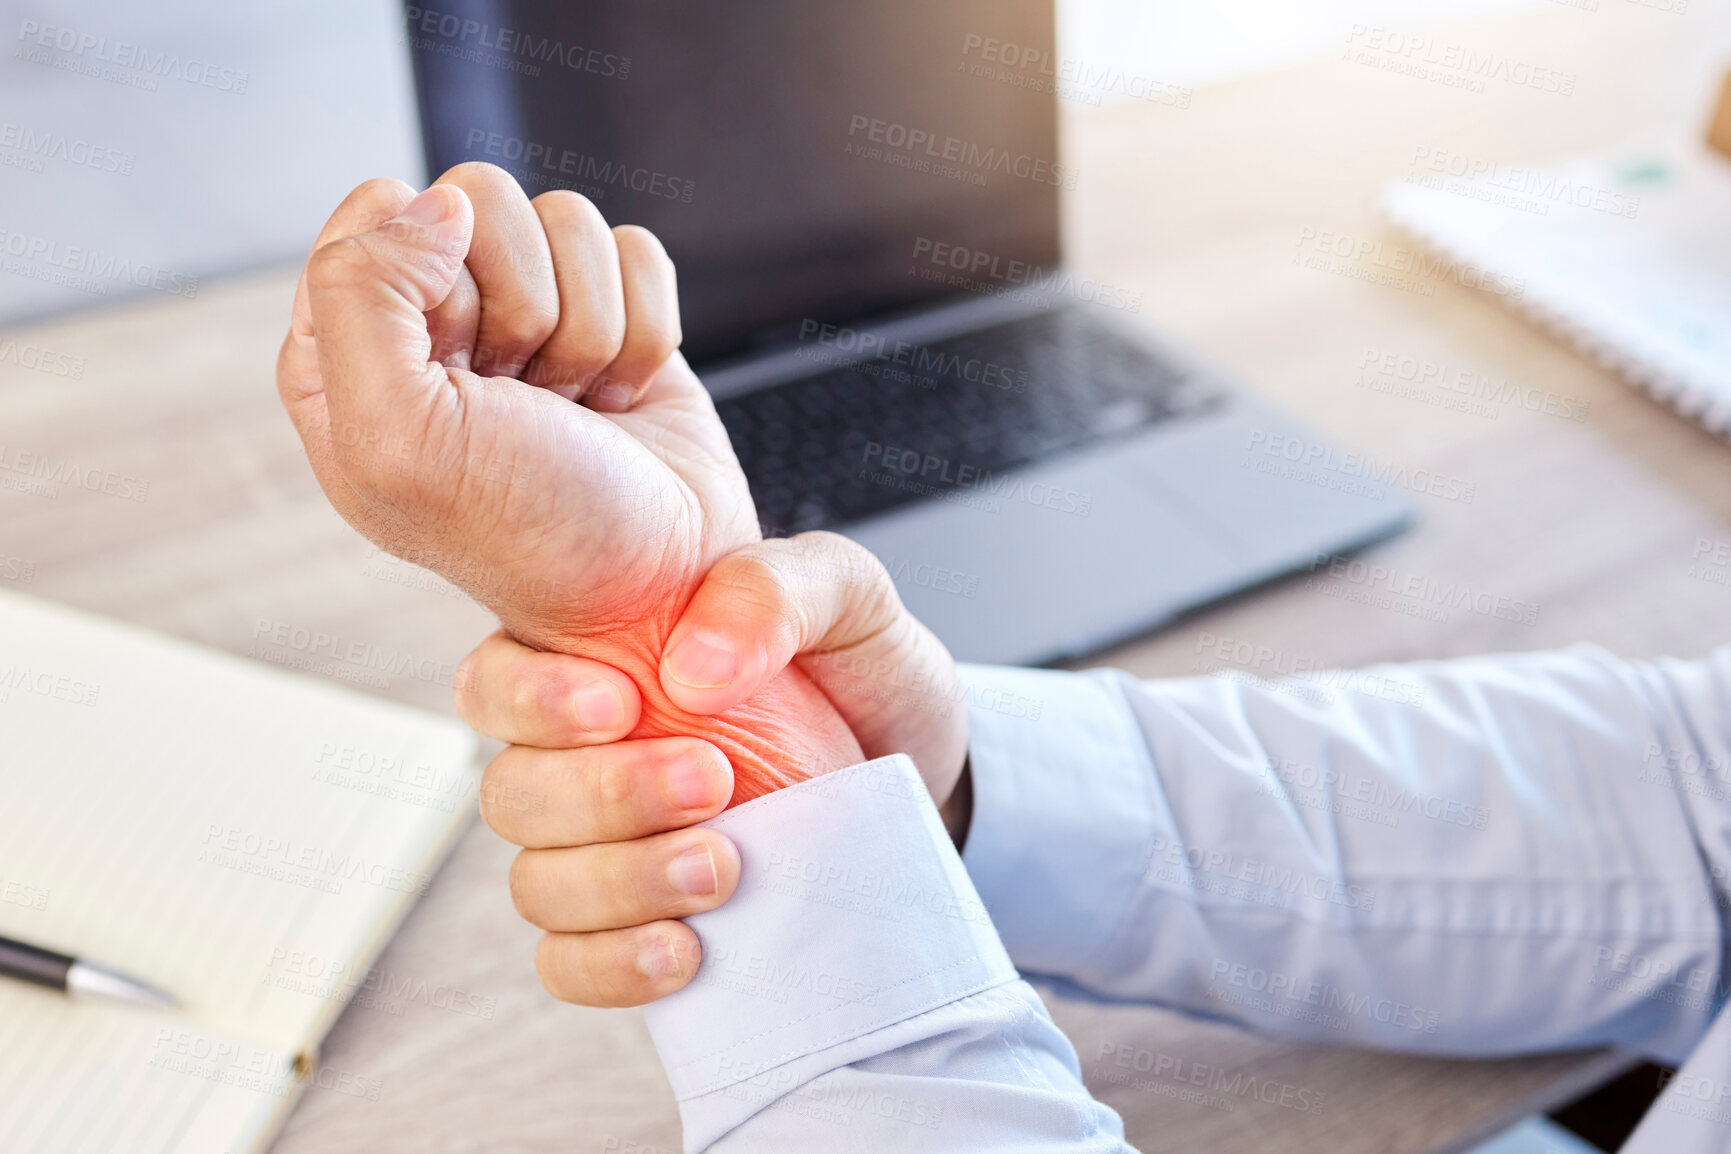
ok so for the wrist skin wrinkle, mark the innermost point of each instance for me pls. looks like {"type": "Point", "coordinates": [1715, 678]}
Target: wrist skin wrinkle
{"type": "Point", "coordinates": [788, 732]}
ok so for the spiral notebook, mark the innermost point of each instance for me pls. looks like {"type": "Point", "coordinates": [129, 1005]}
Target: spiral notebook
{"type": "Point", "coordinates": [242, 837]}
{"type": "Point", "coordinates": [1628, 258]}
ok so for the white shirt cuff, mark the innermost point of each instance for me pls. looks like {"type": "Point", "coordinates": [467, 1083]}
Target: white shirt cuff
{"type": "Point", "coordinates": [1066, 806]}
{"type": "Point", "coordinates": [853, 913]}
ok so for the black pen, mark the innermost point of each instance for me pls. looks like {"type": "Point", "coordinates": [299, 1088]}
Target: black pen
{"type": "Point", "coordinates": [75, 976]}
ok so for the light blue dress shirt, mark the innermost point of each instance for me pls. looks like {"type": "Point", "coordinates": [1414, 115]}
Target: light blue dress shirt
{"type": "Point", "coordinates": [1479, 857]}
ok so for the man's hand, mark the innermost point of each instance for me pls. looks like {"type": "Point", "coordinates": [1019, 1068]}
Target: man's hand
{"type": "Point", "coordinates": [438, 346]}
{"type": "Point", "coordinates": [609, 857]}
{"type": "Point", "coordinates": [604, 827]}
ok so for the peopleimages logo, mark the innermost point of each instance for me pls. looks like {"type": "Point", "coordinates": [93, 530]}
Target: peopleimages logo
{"type": "Point", "coordinates": [316, 643]}
{"type": "Point", "coordinates": [1038, 68]}
{"type": "Point", "coordinates": [544, 161]}
{"type": "Point", "coordinates": [90, 50]}
{"type": "Point", "coordinates": [1528, 188]}
{"type": "Point", "coordinates": [45, 475]}
{"type": "Point", "coordinates": [484, 43]}
{"type": "Point", "coordinates": [858, 346]}
{"type": "Point", "coordinates": [1297, 459]}
{"type": "Point", "coordinates": [1397, 266]}
{"type": "Point", "coordinates": [1277, 987]}
{"type": "Point", "coordinates": [47, 683]}
{"type": "Point", "coordinates": [1175, 863]}
{"type": "Point", "coordinates": [976, 160]}
{"type": "Point", "coordinates": [1403, 375]}
{"type": "Point", "coordinates": [86, 269]}
{"type": "Point", "coordinates": [16, 893]}
{"type": "Point", "coordinates": [1376, 576]}
{"type": "Point", "coordinates": [1226, 1082]}
{"type": "Point", "coordinates": [988, 272]}
{"type": "Point", "coordinates": [32, 356]}
{"type": "Point", "coordinates": [45, 144]}
{"type": "Point", "coordinates": [1339, 787]}
{"type": "Point", "coordinates": [932, 475]}
{"type": "Point", "coordinates": [1457, 65]}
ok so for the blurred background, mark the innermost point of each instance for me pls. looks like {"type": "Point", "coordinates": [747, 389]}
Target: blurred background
{"type": "Point", "coordinates": [277, 109]}
{"type": "Point", "coordinates": [176, 159]}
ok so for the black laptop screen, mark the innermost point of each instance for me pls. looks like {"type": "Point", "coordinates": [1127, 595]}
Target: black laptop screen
{"type": "Point", "coordinates": [802, 160]}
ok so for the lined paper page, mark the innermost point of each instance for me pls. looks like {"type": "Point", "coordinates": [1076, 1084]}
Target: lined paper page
{"type": "Point", "coordinates": [81, 1078]}
{"type": "Point", "coordinates": [237, 835]}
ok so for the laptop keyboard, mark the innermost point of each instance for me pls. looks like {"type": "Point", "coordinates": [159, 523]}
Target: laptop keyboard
{"type": "Point", "coordinates": [945, 419]}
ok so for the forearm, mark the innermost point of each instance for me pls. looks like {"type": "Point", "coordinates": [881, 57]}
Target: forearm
{"type": "Point", "coordinates": [1473, 856]}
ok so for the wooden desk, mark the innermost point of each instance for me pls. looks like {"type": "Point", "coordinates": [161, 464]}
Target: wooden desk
{"type": "Point", "coordinates": [1200, 209]}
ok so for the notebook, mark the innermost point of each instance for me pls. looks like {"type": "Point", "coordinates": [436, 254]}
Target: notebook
{"type": "Point", "coordinates": [1628, 258]}
{"type": "Point", "coordinates": [241, 837]}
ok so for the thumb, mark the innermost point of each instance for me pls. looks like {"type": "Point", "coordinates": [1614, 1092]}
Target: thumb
{"type": "Point", "coordinates": [367, 295]}
{"type": "Point", "coordinates": [825, 603]}
{"type": "Point", "coordinates": [761, 606]}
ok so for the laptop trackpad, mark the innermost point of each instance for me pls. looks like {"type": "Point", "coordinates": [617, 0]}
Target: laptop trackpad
{"type": "Point", "coordinates": [1049, 561]}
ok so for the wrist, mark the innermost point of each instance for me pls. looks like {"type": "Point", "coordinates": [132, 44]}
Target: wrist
{"type": "Point", "coordinates": [786, 733]}
{"type": "Point", "coordinates": [957, 811]}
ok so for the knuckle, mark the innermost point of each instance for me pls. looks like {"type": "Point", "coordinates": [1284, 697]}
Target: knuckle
{"type": "Point", "coordinates": [378, 188]}
{"type": "Point", "coordinates": [478, 174]}
{"type": "Point", "coordinates": [592, 347]}
{"type": "Point", "coordinates": [845, 553]}
{"type": "Point", "coordinates": [526, 705]}
{"type": "Point", "coordinates": [638, 240]}
{"type": "Point", "coordinates": [380, 194]}
{"type": "Point", "coordinates": [758, 584]}
{"type": "Point", "coordinates": [527, 887]}
{"type": "Point", "coordinates": [858, 572]}
{"type": "Point", "coordinates": [490, 788]}
{"type": "Point", "coordinates": [651, 339]}
{"type": "Point", "coordinates": [501, 819]}
{"type": "Point", "coordinates": [466, 693]}
{"type": "Point", "coordinates": [339, 264]}
{"type": "Point", "coordinates": [641, 251]}
{"type": "Point", "coordinates": [460, 694]}
{"type": "Point", "coordinates": [634, 897]}
{"type": "Point", "coordinates": [594, 970]}
{"type": "Point", "coordinates": [525, 323]}
{"type": "Point", "coordinates": [755, 573]}
{"type": "Point", "coordinates": [613, 793]}
{"type": "Point", "coordinates": [560, 970]}
{"type": "Point", "coordinates": [567, 206]}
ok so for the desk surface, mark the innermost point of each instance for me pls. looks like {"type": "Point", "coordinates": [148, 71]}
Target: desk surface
{"type": "Point", "coordinates": [1198, 208]}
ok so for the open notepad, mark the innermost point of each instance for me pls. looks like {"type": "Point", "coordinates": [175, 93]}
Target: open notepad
{"type": "Point", "coordinates": [1627, 258]}
{"type": "Point", "coordinates": [244, 838]}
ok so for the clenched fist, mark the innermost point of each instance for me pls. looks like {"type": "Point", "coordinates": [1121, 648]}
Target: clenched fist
{"type": "Point", "coordinates": [490, 387]}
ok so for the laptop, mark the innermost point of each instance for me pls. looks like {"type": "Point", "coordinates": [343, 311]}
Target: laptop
{"type": "Point", "coordinates": [863, 202]}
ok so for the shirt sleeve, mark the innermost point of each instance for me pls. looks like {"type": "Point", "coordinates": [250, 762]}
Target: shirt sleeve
{"type": "Point", "coordinates": [1479, 856]}
{"type": "Point", "coordinates": [854, 994]}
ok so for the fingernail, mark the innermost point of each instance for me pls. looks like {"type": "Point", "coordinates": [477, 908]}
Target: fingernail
{"type": "Point", "coordinates": [703, 661]}
{"type": "Point", "coordinates": [659, 960]}
{"type": "Point", "coordinates": [693, 872]}
{"type": "Point", "coordinates": [691, 783]}
{"type": "Point", "coordinates": [427, 209]}
{"type": "Point", "coordinates": [598, 707]}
